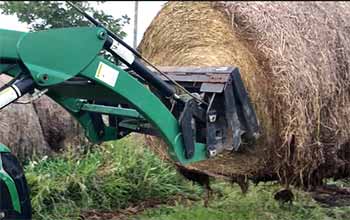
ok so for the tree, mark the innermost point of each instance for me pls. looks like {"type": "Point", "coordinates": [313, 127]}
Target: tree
{"type": "Point", "coordinates": [41, 15]}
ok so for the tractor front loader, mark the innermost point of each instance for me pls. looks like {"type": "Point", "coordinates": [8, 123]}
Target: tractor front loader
{"type": "Point", "coordinates": [211, 114]}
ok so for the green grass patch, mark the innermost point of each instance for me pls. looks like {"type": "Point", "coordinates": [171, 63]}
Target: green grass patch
{"type": "Point", "coordinates": [107, 178]}
{"type": "Point", "coordinates": [258, 204]}
{"type": "Point", "coordinates": [123, 173]}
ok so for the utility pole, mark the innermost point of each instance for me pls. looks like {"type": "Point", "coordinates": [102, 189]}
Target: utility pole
{"type": "Point", "coordinates": [135, 23]}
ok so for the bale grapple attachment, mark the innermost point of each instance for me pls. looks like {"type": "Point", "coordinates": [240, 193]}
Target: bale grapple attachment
{"type": "Point", "coordinates": [228, 114]}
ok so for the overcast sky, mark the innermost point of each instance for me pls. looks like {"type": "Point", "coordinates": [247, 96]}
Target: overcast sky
{"type": "Point", "coordinates": [147, 11]}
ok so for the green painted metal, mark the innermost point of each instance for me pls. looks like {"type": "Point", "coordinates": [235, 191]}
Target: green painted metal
{"type": "Point", "coordinates": [8, 50]}
{"type": "Point", "coordinates": [149, 106]}
{"type": "Point", "coordinates": [57, 55]}
{"type": "Point", "coordinates": [73, 106]}
{"type": "Point", "coordinates": [11, 186]}
{"type": "Point", "coordinates": [4, 149]}
{"type": "Point", "coordinates": [143, 101]}
{"type": "Point", "coordinates": [127, 124]}
{"type": "Point", "coordinates": [123, 112]}
{"type": "Point", "coordinates": [8, 43]}
{"type": "Point", "coordinates": [4, 67]}
{"type": "Point", "coordinates": [134, 124]}
{"type": "Point", "coordinates": [11, 69]}
{"type": "Point", "coordinates": [60, 54]}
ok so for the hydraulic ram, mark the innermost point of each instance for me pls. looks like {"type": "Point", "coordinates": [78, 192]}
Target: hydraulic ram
{"type": "Point", "coordinates": [128, 58]}
{"type": "Point", "coordinates": [11, 93]}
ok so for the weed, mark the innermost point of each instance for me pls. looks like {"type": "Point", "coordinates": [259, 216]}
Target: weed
{"type": "Point", "coordinates": [123, 173]}
{"type": "Point", "coordinates": [111, 177]}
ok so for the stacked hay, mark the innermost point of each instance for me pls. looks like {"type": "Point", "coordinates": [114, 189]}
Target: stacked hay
{"type": "Point", "coordinates": [21, 131]}
{"type": "Point", "coordinates": [293, 58]}
{"type": "Point", "coordinates": [59, 128]}
{"type": "Point", "coordinates": [37, 129]}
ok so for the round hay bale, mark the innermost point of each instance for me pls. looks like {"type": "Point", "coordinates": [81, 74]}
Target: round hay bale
{"type": "Point", "coordinates": [293, 57]}
{"type": "Point", "coordinates": [59, 127]}
{"type": "Point", "coordinates": [39, 128]}
{"type": "Point", "coordinates": [21, 130]}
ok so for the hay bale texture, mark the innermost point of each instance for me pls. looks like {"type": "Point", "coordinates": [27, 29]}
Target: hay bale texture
{"type": "Point", "coordinates": [293, 57]}
{"type": "Point", "coordinates": [59, 128]}
{"type": "Point", "coordinates": [21, 131]}
{"type": "Point", "coordinates": [37, 129]}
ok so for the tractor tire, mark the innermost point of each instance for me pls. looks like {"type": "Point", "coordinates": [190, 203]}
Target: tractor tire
{"type": "Point", "coordinates": [13, 168]}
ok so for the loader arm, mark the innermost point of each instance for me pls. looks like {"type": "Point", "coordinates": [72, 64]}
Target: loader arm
{"type": "Point", "coordinates": [68, 64]}
{"type": "Point", "coordinates": [78, 97]}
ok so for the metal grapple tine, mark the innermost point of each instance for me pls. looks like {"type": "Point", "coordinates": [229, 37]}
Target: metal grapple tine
{"type": "Point", "coordinates": [230, 114]}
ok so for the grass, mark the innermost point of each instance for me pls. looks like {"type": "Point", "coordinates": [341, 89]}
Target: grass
{"type": "Point", "coordinates": [108, 178]}
{"type": "Point", "coordinates": [257, 204]}
{"type": "Point", "coordinates": [119, 174]}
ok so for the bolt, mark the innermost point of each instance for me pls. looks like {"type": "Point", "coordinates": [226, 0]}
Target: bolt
{"type": "Point", "coordinates": [256, 135]}
{"type": "Point", "coordinates": [45, 77]}
{"type": "Point", "coordinates": [212, 153]}
{"type": "Point", "coordinates": [42, 77]}
{"type": "Point", "coordinates": [101, 35]}
{"type": "Point", "coordinates": [212, 118]}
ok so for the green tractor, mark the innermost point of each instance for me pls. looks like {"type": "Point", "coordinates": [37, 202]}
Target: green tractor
{"type": "Point", "coordinates": [211, 114]}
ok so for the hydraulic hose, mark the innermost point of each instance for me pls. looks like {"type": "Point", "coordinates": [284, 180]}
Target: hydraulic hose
{"type": "Point", "coordinates": [15, 90]}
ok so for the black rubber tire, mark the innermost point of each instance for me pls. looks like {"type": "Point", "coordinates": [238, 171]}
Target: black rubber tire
{"type": "Point", "coordinates": [14, 169]}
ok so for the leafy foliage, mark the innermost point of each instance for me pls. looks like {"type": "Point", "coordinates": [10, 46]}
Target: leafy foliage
{"type": "Point", "coordinates": [42, 15]}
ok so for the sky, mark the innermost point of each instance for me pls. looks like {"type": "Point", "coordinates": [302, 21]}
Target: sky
{"type": "Point", "coordinates": [146, 12]}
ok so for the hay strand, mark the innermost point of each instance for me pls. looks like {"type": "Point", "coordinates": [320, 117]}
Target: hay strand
{"type": "Point", "coordinates": [294, 62]}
